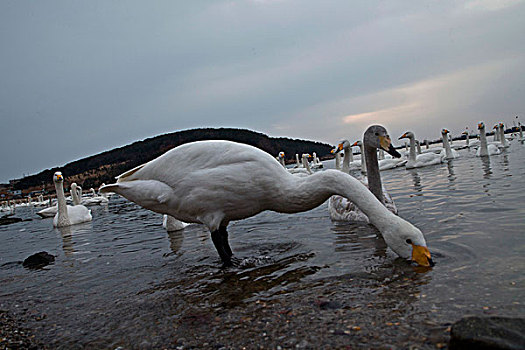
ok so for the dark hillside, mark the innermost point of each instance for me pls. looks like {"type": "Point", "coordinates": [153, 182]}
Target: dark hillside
{"type": "Point", "coordinates": [103, 167]}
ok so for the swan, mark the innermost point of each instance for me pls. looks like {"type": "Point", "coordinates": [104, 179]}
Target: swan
{"type": "Point", "coordinates": [502, 139]}
{"type": "Point", "coordinates": [95, 199]}
{"type": "Point", "coordinates": [68, 215]}
{"type": "Point", "coordinates": [305, 170]}
{"type": "Point", "coordinates": [169, 223]}
{"type": "Point", "coordinates": [363, 160]}
{"type": "Point", "coordinates": [419, 160]}
{"type": "Point", "coordinates": [280, 158]}
{"type": "Point", "coordinates": [215, 182]}
{"type": "Point", "coordinates": [316, 163]}
{"type": "Point", "coordinates": [447, 151]}
{"type": "Point", "coordinates": [485, 149]}
{"type": "Point", "coordinates": [74, 194]}
{"type": "Point", "coordinates": [342, 208]}
{"type": "Point", "coordinates": [348, 158]}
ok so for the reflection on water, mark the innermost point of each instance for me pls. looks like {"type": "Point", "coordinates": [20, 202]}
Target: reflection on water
{"type": "Point", "coordinates": [131, 280]}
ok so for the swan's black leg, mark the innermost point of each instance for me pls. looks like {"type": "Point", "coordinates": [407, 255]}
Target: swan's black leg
{"type": "Point", "coordinates": [218, 242]}
{"type": "Point", "coordinates": [224, 239]}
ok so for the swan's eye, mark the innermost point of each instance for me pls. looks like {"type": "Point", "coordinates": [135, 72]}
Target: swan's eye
{"type": "Point", "coordinates": [377, 134]}
{"type": "Point", "coordinates": [409, 241]}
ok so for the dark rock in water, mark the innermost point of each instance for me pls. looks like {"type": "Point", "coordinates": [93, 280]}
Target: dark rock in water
{"type": "Point", "coordinates": [38, 260]}
{"type": "Point", "coordinates": [488, 333]}
{"type": "Point", "coordinates": [6, 220]}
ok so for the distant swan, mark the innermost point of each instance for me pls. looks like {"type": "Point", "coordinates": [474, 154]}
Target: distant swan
{"type": "Point", "coordinates": [447, 151]}
{"type": "Point", "coordinates": [419, 160]}
{"type": "Point", "coordinates": [343, 209]}
{"type": "Point", "coordinates": [216, 182]}
{"type": "Point", "coordinates": [95, 199]}
{"type": "Point", "coordinates": [68, 215]}
{"type": "Point", "coordinates": [485, 149]}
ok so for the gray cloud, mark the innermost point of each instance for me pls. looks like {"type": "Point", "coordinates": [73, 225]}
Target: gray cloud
{"type": "Point", "coordinates": [79, 78]}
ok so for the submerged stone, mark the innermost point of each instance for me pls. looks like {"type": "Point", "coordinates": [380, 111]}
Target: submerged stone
{"type": "Point", "coordinates": [38, 260]}
{"type": "Point", "coordinates": [488, 333]}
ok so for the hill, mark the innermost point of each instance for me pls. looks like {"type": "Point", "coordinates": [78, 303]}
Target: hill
{"type": "Point", "coordinates": [94, 170]}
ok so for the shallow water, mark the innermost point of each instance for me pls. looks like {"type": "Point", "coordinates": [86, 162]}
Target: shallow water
{"type": "Point", "coordinates": [121, 280]}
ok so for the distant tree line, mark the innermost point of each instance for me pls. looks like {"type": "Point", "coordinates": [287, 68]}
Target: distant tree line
{"type": "Point", "coordinates": [105, 166]}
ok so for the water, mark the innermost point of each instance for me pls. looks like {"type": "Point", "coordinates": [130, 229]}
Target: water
{"type": "Point", "coordinates": [121, 280]}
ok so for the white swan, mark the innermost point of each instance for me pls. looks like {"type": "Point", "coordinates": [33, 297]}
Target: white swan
{"type": "Point", "coordinates": [348, 157]}
{"type": "Point", "coordinates": [316, 163]}
{"type": "Point", "coordinates": [485, 148]}
{"type": "Point", "coordinates": [74, 194]}
{"type": "Point", "coordinates": [68, 215]}
{"type": "Point", "coordinates": [447, 151]}
{"type": "Point", "coordinates": [305, 169]}
{"type": "Point", "coordinates": [95, 199]}
{"type": "Point", "coordinates": [215, 182]}
{"type": "Point", "coordinates": [280, 158]}
{"type": "Point", "coordinates": [419, 160]}
{"type": "Point", "coordinates": [343, 209]}
{"type": "Point", "coordinates": [502, 138]}
{"type": "Point", "coordinates": [169, 223]}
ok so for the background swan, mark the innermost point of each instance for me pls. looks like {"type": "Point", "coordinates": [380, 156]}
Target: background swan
{"type": "Point", "coordinates": [68, 215]}
{"type": "Point", "coordinates": [419, 160]}
{"type": "Point", "coordinates": [95, 199]}
{"type": "Point", "coordinates": [343, 209]}
{"type": "Point", "coordinates": [485, 149]}
{"type": "Point", "coordinates": [447, 151]}
{"type": "Point", "coordinates": [215, 182]}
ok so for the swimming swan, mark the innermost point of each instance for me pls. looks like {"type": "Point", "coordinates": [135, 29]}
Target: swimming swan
{"type": "Point", "coordinates": [447, 151]}
{"type": "Point", "coordinates": [68, 215]}
{"type": "Point", "coordinates": [485, 149]}
{"type": "Point", "coordinates": [215, 182]}
{"type": "Point", "coordinates": [342, 208]}
{"type": "Point", "coordinates": [419, 160]}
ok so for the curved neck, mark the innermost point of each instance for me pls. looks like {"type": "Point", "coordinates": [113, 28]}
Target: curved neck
{"type": "Point", "coordinates": [306, 165]}
{"type": "Point", "coordinates": [372, 169]}
{"type": "Point", "coordinates": [338, 161]}
{"type": "Point", "coordinates": [446, 145]}
{"type": "Point", "coordinates": [305, 193]}
{"type": "Point", "coordinates": [61, 202]}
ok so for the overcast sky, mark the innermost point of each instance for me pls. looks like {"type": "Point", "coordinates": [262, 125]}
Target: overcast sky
{"type": "Point", "coordinates": [81, 77]}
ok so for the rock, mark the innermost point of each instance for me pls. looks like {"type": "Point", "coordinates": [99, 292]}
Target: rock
{"type": "Point", "coordinates": [6, 221]}
{"type": "Point", "coordinates": [38, 260]}
{"type": "Point", "coordinates": [488, 333]}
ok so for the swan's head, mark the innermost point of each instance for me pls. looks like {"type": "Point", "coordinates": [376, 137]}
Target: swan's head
{"type": "Point", "coordinates": [357, 143]}
{"type": "Point", "coordinates": [74, 186]}
{"type": "Point", "coordinates": [344, 144]}
{"type": "Point", "coordinates": [57, 177]}
{"type": "Point", "coordinates": [281, 154]}
{"type": "Point", "coordinates": [407, 135]}
{"type": "Point", "coordinates": [444, 131]}
{"type": "Point", "coordinates": [377, 137]}
{"type": "Point", "coordinates": [408, 242]}
{"type": "Point", "coordinates": [481, 125]}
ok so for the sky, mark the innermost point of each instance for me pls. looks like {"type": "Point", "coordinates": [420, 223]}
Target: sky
{"type": "Point", "coordinates": [81, 77]}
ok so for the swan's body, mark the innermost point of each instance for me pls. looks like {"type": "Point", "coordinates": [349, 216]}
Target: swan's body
{"type": "Point", "coordinates": [343, 209]}
{"type": "Point", "coordinates": [485, 148]}
{"type": "Point", "coordinates": [48, 212]}
{"type": "Point", "coordinates": [215, 182]}
{"type": "Point", "coordinates": [419, 160]}
{"type": "Point", "coordinates": [68, 215]}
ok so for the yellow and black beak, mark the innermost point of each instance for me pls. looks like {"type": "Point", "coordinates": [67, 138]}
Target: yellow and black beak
{"type": "Point", "coordinates": [480, 125]}
{"type": "Point", "coordinates": [386, 144]}
{"type": "Point", "coordinates": [59, 177]}
{"type": "Point", "coordinates": [421, 255]}
{"type": "Point", "coordinates": [404, 136]}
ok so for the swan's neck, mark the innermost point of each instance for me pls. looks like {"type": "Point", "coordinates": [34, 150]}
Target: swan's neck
{"type": "Point", "coordinates": [62, 205]}
{"type": "Point", "coordinates": [467, 142]}
{"type": "Point", "coordinates": [347, 159]}
{"type": "Point", "coordinates": [418, 147]}
{"type": "Point", "coordinates": [483, 151]}
{"type": "Point", "coordinates": [338, 161]}
{"type": "Point", "coordinates": [412, 152]}
{"type": "Point", "coordinates": [306, 165]}
{"type": "Point", "coordinates": [446, 145]}
{"type": "Point", "coordinates": [521, 131]}
{"type": "Point", "coordinates": [297, 160]}
{"type": "Point", "coordinates": [363, 159]}
{"type": "Point", "coordinates": [372, 169]}
{"type": "Point", "coordinates": [502, 136]}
